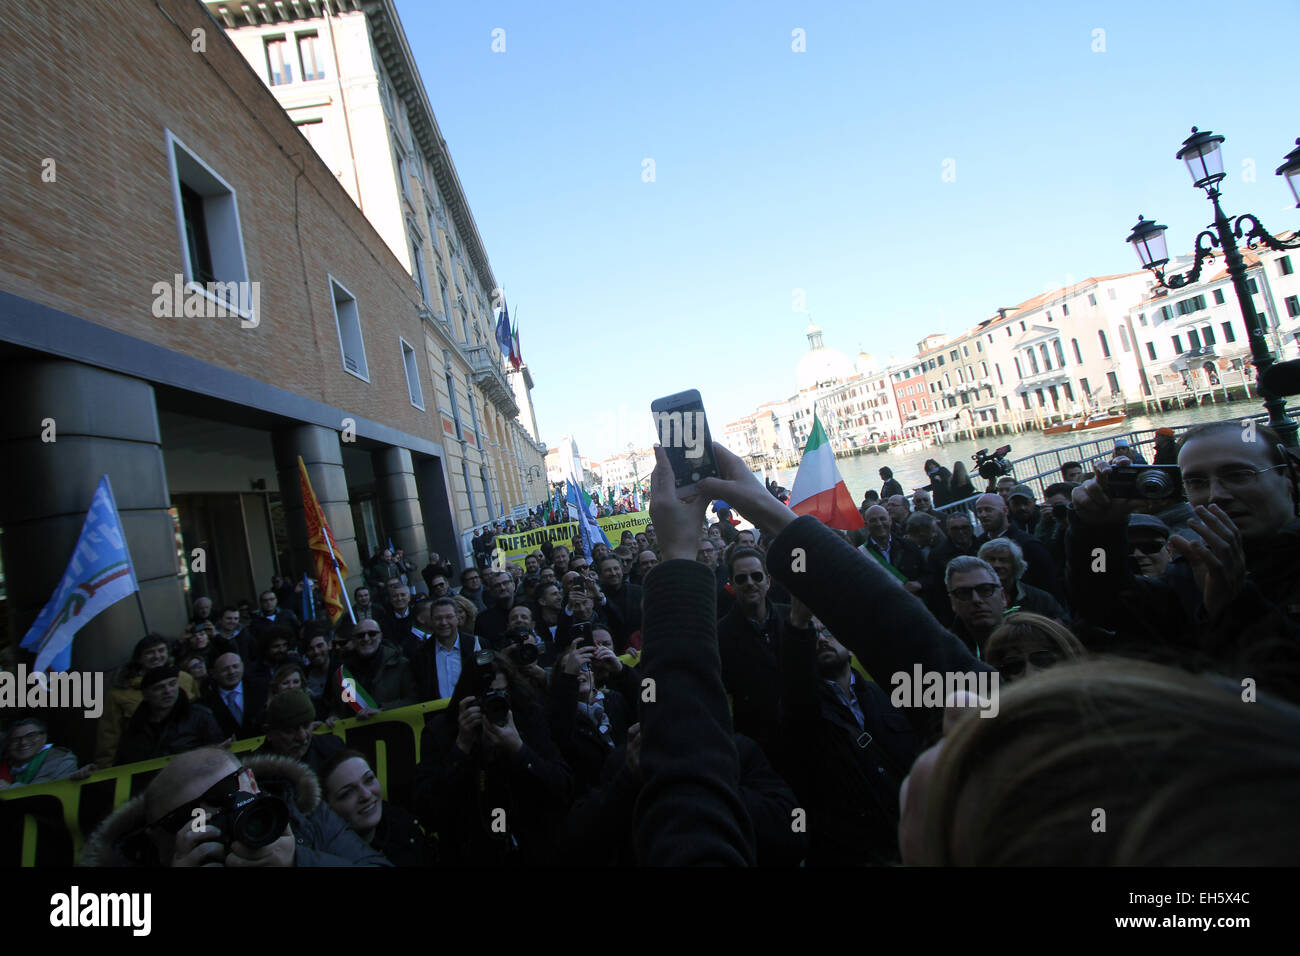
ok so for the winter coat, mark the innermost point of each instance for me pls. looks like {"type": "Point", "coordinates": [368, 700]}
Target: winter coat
{"type": "Point", "coordinates": [322, 838]}
{"type": "Point", "coordinates": [187, 726]}
{"type": "Point", "coordinates": [387, 677]}
{"type": "Point", "coordinates": [122, 703]}
{"type": "Point", "coordinates": [59, 762]}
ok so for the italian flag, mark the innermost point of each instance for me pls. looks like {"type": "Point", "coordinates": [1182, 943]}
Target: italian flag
{"type": "Point", "coordinates": [818, 488]}
{"type": "Point", "coordinates": [351, 692]}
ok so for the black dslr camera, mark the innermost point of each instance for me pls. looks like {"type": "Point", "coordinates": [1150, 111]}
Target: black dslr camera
{"type": "Point", "coordinates": [994, 466]}
{"type": "Point", "coordinates": [525, 654]}
{"type": "Point", "coordinates": [1153, 482]}
{"type": "Point", "coordinates": [495, 704]}
{"type": "Point", "coordinates": [253, 819]}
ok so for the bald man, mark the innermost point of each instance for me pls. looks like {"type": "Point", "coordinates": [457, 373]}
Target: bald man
{"type": "Point", "coordinates": [995, 518]}
{"type": "Point", "coordinates": [171, 823]}
{"type": "Point", "coordinates": [893, 548]}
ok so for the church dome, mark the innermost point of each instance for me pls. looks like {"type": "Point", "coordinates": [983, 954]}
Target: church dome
{"type": "Point", "coordinates": [820, 365]}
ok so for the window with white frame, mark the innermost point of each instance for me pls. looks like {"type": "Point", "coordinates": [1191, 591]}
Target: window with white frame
{"type": "Point", "coordinates": [412, 366]}
{"type": "Point", "coordinates": [348, 319]}
{"type": "Point", "coordinates": [279, 60]}
{"type": "Point", "coordinates": [207, 220]}
{"type": "Point", "coordinates": [417, 263]}
{"type": "Point", "coordinates": [309, 54]}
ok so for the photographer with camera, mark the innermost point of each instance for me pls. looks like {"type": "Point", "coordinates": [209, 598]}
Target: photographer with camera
{"type": "Point", "coordinates": [207, 809]}
{"type": "Point", "coordinates": [490, 781]}
{"type": "Point", "coordinates": [1246, 568]}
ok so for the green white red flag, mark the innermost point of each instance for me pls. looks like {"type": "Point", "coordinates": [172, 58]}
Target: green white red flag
{"type": "Point", "coordinates": [818, 488]}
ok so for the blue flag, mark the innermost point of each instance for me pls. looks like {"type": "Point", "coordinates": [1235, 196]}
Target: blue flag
{"type": "Point", "coordinates": [504, 337]}
{"type": "Point", "coordinates": [581, 507]}
{"type": "Point", "coordinates": [98, 576]}
{"type": "Point", "coordinates": [308, 603]}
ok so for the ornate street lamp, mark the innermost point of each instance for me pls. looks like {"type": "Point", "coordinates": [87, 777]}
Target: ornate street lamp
{"type": "Point", "coordinates": [1201, 153]}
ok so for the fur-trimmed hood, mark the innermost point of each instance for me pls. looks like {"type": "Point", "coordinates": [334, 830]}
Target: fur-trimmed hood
{"type": "Point", "coordinates": [285, 777]}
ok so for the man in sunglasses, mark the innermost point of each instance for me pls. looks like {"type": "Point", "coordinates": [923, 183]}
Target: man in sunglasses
{"type": "Point", "coordinates": [977, 599]}
{"type": "Point", "coordinates": [749, 642]}
{"type": "Point", "coordinates": [1148, 542]}
{"type": "Point", "coordinates": [173, 823]}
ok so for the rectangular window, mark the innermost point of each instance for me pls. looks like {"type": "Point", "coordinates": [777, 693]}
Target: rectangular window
{"type": "Point", "coordinates": [455, 406]}
{"type": "Point", "coordinates": [1105, 346]}
{"type": "Point", "coordinates": [1047, 361]}
{"type": "Point", "coordinates": [1042, 402]}
{"type": "Point", "coordinates": [965, 351]}
{"type": "Point", "coordinates": [446, 302]}
{"type": "Point", "coordinates": [1078, 356]}
{"type": "Point", "coordinates": [1022, 327]}
{"type": "Point", "coordinates": [1151, 350]}
{"type": "Point", "coordinates": [1293, 306]}
{"type": "Point", "coordinates": [1006, 403]}
{"type": "Point", "coordinates": [984, 369]}
{"type": "Point", "coordinates": [1025, 398]}
{"type": "Point", "coordinates": [1049, 315]}
{"type": "Point", "coordinates": [1060, 353]}
{"type": "Point", "coordinates": [313, 68]}
{"type": "Point", "coordinates": [1251, 286]}
{"type": "Point", "coordinates": [1083, 384]}
{"type": "Point", "coordinates": [1166, 313]}
{"type": "Point", "coordinates": [1065, 309]}
{"type": "Point", "coordinates": [1033, 361]}
{"type": "Point", "coordinates": [954, 356]}
{"type": "Point", "coordinates": [940, 361]}
{"type": "Point", "coordinates": [1284, 266]}
{"type": "Point", "coordinates": [979, 346]}
{"type": "Point", "coordinates": [1208, 334]}
{"type": "Point", "coordinates": [998, 368]}
{"type": "Point", "coordinates": [1113, 379]}
{"type": "Point", "coordinates": [1056, 399]}
{"type": "Point", "coordinates": [211, 240]}
{"type": "Point", "coordinates": [1123, 339]}
{"type": "Point", "coordinates": [348, 320]}
{"type": "Point", "coordinates": [1020, 372]}
{"type": "Point", "coordinates": [1142, 319]}
{"type": "Point", "coordinates": [1092, 299]}
{"type": "Point", "coordinates": [412, 366]}
{"type": "Point", "coordinates": [279, 61]}
{"type": "Point", "coordinates": [1228, 334]}
{"type": "Point", "coordinates": [1069, 392]}
{"type": "Point", "coordinates": [417, 265]}
{"type": "Point", "coordinates": [1193, 339]}
{"type": "Point", "coordinates": [1178, 345]}
{"type": "Point", "coordinates": [1218, 297]}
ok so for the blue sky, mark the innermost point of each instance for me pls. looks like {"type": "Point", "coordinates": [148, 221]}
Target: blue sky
{"type": "Point", "coordinates": [823, 171]}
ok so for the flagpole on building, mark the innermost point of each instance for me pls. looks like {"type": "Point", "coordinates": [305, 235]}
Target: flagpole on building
{"type": "Point", "coordinates": [139, 601]}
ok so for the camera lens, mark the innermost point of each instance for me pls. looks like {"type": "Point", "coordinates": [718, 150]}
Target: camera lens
{"type": "Point", "coordinates": [253, 819]}
{"type": "Point", "coordinates": [526, 654]}
{"type": "Point", "coordinates": [1154, 484]}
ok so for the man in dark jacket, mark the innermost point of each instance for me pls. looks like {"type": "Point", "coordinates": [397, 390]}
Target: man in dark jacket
{"type": "Point", "coordinates": [238, 702]}
{"type": "Point", "coordinates": [995, 518]}
{"type": "Point", "coordinates": [749, 641]}
{"type": "Point", "coordinates": [166, 722]}
{"type": "Point", "coordinates": [446, 655]}
{"type": "Point", "coordinates": [622, 600]}
{"type": "Point", "coordinates": [157, 828]}
{"type": "Point", "coordinates": [891, 486]}
{"type": "Point", "coordinates": [490, 625]}
{"type": "Point", "coordinates": [379, 668]}
{"type": "Point", "coordinates": [289, 721]}
{"type": "Point", "coordinates": [850, 749]}
{"type": "Point", "coordinates": [894, 548]}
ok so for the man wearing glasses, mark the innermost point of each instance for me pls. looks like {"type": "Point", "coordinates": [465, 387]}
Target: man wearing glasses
{"type": "Point", "coordinates": [171, 823]}
{"type": "Point", "coordinates": [977, 599]}
{"type": "Point", "coordinates": [1245, 570]}
{"type": "Point", "coordinates": [749, 641]}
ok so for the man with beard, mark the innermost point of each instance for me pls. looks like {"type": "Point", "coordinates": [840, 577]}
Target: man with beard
{"type": "Point", "coordinates": [749, 643]}
{"type": "Point", "coordinates": [290, 718]}
{"type": "Point", "coordinates": [849, 748]}
{"type": "Point", "coordinates": [379, 669]}
{"type": "Point", "coordinates": [1023, 510]}
{"type": "Point", "coordinates": [978, 601]}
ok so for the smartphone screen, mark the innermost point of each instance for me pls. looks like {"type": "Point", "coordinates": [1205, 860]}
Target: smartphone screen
{"type": "Point", "coordinates": [683, 432]}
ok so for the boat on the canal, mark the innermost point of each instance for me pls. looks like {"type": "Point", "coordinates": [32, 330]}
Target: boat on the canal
{"type": "Point", "coordinates": [1089, 423]}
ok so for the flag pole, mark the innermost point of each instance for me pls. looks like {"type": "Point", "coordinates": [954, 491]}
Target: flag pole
{"type": "Point", "coordinates": [329, 543]}
{"type": "Point", "coordinates": [112, 499]}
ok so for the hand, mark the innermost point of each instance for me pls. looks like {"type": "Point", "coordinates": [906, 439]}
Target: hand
{"type": "Point", "coordinates": [1094, 506]}
{"type": "Point", "coordinates": [914, 587]}
{"type": "Point", "coordinates": [740, 488]}
{"type": "Point", "coordinates": [606, 661]}
{"type": "Point", "coordinates": [1219, 562]}
{"type": "Point", "coordinates": [470, 722]}
{"type": "Point", "coordinates": [81, 773]}
{"type": "Point", "coordinates": [367, 712]}
{"type": "Point", "coordinates": [677, 522]}
{"type": "Point", "coordinates": [227, 743]}
{"type": "Point", "coordinates": [506, 737]}
{"type": "Point", "coordinates": [576, 659]}
{"type": "Point", "coordinates": [202, 847]}
{"type": "Point", "coordinates": [279, 853]}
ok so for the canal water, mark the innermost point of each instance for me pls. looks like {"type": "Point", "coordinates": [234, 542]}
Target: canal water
{"type": "Point", "coordinates": [862, 472]}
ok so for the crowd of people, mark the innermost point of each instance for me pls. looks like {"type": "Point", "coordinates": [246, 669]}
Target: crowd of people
{"type": "Point", "coordinates": [690, 694]}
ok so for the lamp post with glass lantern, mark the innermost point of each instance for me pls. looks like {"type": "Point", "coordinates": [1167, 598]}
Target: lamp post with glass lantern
{"type": "Point", "coordinates": [1200, 152]}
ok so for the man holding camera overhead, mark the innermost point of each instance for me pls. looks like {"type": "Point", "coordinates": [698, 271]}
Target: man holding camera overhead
{"type": "Point", "coordinates": [207, 809]}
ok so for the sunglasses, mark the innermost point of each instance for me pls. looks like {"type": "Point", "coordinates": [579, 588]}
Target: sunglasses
{"type": "Point", "coordinates": [757, 577]}
{"type": "Point", "coordinates": [368, 633]}
{"type": "Point", "coordinates": [212, 797]}
{"type": "Point", "coordinates": [1146, 547]}
{"type": "Point", "coordinates": [983, 590]}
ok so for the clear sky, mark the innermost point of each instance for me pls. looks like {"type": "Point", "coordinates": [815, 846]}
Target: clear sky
{"type": "Point", "coordinates": [824, 171]}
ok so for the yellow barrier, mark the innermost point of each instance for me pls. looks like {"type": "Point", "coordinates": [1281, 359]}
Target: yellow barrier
{"type": "Point", "coordinates": [46, 824]}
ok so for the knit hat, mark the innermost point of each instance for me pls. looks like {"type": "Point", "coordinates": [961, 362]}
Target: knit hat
{"type": "Point", "coordinates": [290, 708]}
{"type": "Point", "coordinates": [155, 674]}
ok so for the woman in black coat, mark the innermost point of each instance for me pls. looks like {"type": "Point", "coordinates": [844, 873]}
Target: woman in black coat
{"type": "Point", "coordinates": [940, 486]}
